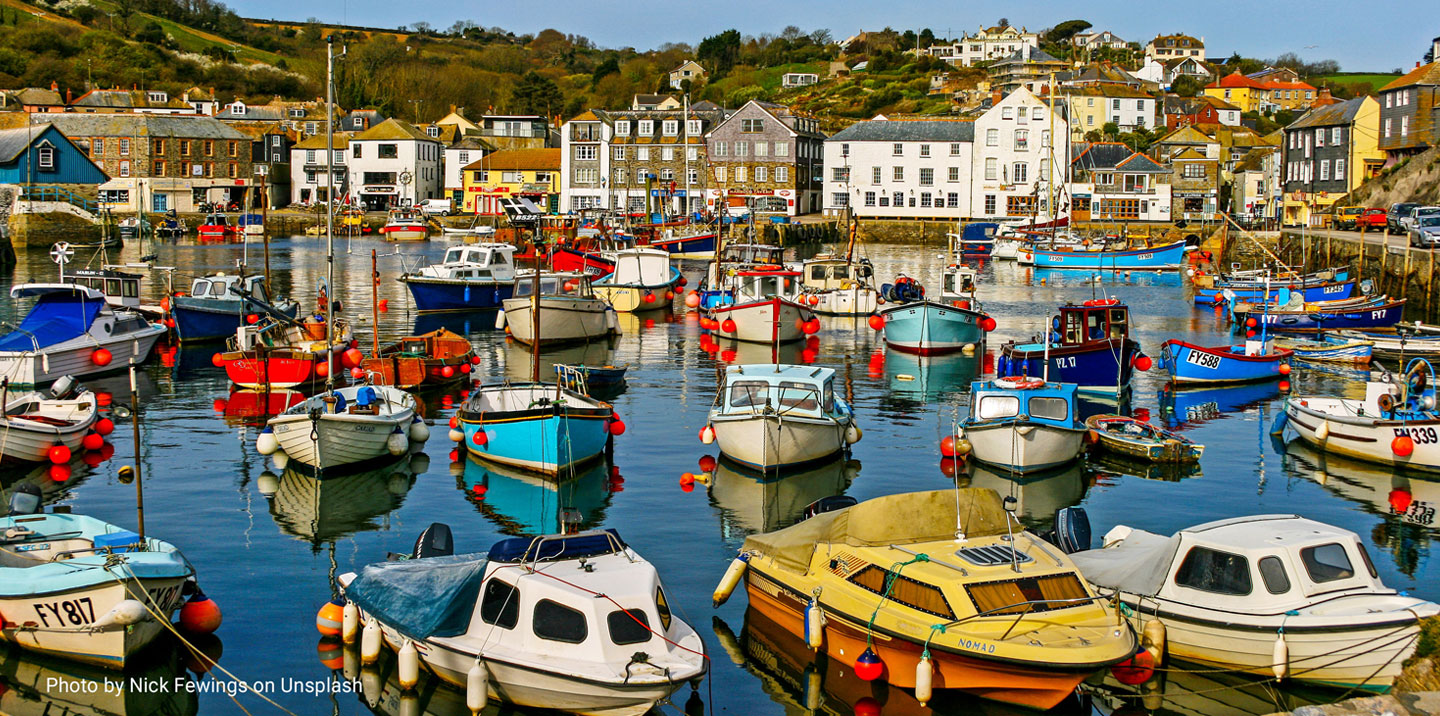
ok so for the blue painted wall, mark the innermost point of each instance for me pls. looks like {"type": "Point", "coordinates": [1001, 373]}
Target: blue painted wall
{"type": "Point", "coordinates": [71, 166]}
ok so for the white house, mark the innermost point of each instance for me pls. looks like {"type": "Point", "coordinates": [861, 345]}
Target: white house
{"type": "Point", "coordinates": [584, 163]}
{"type": "Point", "coordinates": [393, 163]}
{"type": "Point", "coordinates": [468, 149]}
{"type": "Point", "coordinates": [308, 182]}
{"type": "Point", "coordinates": [986, 45]}
{"type": "Point", "coordinates": [1097, 40]}
{"type": "Point", "coordinates": [798, 79]}
{"type": "Point", "coordinates": [1018, 168]}
{"type": "Point", "coordinates": [688, 70]}
{"type": "Point", "coordinates": [1112, 183]}
{"type": "Point", "coordinates": [900, 169]}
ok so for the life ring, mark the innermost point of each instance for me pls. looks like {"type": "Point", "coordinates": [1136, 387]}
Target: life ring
{"type": "Point", "coordinates": [1102, 302]}
{"type": "Point", "coordinates": [1019, 382]}
{"type": "Point", "coordinates": [766, 267]}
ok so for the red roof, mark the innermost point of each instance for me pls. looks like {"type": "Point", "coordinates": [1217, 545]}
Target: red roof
{"type": "Point", "coordinates": [1235, 79]}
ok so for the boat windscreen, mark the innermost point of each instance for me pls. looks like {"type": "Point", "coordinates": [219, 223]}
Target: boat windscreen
{"type": "Point", "coordinates": [993, 407]}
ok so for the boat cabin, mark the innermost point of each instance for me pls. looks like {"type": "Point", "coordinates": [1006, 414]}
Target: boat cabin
{"type": "Point", "coordinates": [120, 288]}
{"type": "Point", "coordinates": [223, 287]}
{"type": "Point", "coordinates": [216, 220]}
{"type": "Point", "coordinates": [825, 273]}
{"type": "Point", "coordinates": [1264, 564]}
{"type": "Point", "coordinates": [1091, 321]}
{"type": "Point", "coordinates": [404, 214]}
{"type": "Point", "coordinates": [973, 237]}
{"type": "Point", "coordinates": [475, 262]}
{"type": "Point", "coordinates": [754, 285]}
{"type": "Point", "coordinates": [791, 389]}
{"type": "Point", "coordinates": [640, 267]}
{"type": "Point", "coordinates": [958, 284]}
{"type": "Point", "coordinates": [522, 611]}
{"type": "Point", "coordinates": [753, 254]}
{"type": "Point", "coordinates": [1004, 399]}
{"type": "Point", "coordinates": [554, 285]}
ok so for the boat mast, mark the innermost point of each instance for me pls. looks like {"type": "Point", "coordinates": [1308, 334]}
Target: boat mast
{"type": "Point", "coordinates": [535, 310]}
{"type": "Point", "coordinates": [374, 304]}
{"type": "Point", "coordinates": [1050, 170]}
{"type": "Point", "coordinates": [330, 213]}
{"type": "Point", "coordinates": [265, 231]}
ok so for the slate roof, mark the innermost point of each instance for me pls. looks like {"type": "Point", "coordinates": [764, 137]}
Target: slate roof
{"type": "Point", "coordinates": [1254, 160]}
{"type": "Point", "coordinates": [393, 129]}
{"type": "Point", "coordinates": [1422, 75]}
{"type": "Point", "coordinates": [907, 131]}
{"type": "Point", "coordinates": [128, 99]}
{"type": "Point", "coordinates": [317, 141]}
{"type": "Point", "coordinates": [140, 125]}
{"type": "Point", "coordinates": [1113, 156]}
{"type": "Point", "coordinates": [471, 141]}
{"type": "Point", "coordinates": [1339, 114]}
{"type": "Point", "coordinates": [14, 141]}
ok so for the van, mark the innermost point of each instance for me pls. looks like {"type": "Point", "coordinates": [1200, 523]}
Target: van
{"type": "Point", "coordinates": [1398, 212]}
{"type": "Point", "coordinates": [431, 207]}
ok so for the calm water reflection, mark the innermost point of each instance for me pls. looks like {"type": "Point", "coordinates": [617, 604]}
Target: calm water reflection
{"type": "Point", "coordinates": [266, 541]}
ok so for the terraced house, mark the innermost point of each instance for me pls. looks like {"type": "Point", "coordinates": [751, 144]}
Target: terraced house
{"type": "Point", "coordinates": [636, 161]}
{"type": "Point", "coordinates": [900, 169]}
{"type": "Point", "coordinates": [1410, 113]}
{"type": "Point", "coordinates": [766, 158]}
{"type": "Point", "coordinates": [162, 162]}
{"type": "Point", "coordinates": [1328, 152]}
{"type": "Point", "coordinates": [1110, 182]}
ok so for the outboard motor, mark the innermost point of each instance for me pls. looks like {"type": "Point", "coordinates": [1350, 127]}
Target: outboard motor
{"type": "Point", "coordinates": [63, 388]}
{"type": "Point", "coordinates": [1072, 530]}
{"type": "Point", "coordinates": [436, 541]}
{"type": "Point", "coordinates": [26, 500]}
{"type": "Point", "coordinates": [828, 504]}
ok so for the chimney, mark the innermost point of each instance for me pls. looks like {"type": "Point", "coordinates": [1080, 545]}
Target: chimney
{"type": "Point", "coordinates": [69, 96]}
{"type": "Point", "coordinates": [54, 86]}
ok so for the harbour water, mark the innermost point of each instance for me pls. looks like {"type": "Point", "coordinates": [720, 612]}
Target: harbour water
{"type": "Point", "coordinates": [268, 543]}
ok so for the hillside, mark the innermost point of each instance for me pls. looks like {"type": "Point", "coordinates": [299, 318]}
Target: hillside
{"type": "Point", "coordinates": [1416, 179]}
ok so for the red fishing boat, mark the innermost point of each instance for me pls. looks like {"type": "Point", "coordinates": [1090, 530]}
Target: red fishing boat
{"type": "Point", "coordinates": [273, 354]}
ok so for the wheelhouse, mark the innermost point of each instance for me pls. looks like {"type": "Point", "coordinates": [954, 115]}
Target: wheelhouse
{"type": "Point", "coordinates": [762, 285]}
{"type": "Point", "coordinates": [828, 273]}
{"type": "Point", "coordinates": [120, 288]}
{"type": "Point", "coordinates": [221, 286]}
{"type": "Point", "coordinates": [1028, 399]}
{"type": "Point", "coordinates": [788, 389]}
{"type": "Point", "coordinates": [554, 285]}
{"type": "Point", "coordinates": [1093, 321]}
{"type": "Point", "coordinates": [475, 262]}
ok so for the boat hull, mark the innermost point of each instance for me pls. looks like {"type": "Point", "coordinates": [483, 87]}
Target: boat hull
{"type": "Point", "coordinates": [404, 232]}
{"type": "Point", "coordinates": [1363, 438]}
{"type": "Point", "coordinates": [562, 320]}
{"type": "Point", "coordinates": [1195, 365]}
{"type": "Point", "coordinates": [631, 299]}
{"type": "Point", "coordinates": [336, 441]}
{"type": "Point", "coordinates": [769, 442]}
{"type": "Point", "coordinates": [1375, 316]}
{"type": "Point", "coordinates": [1024, 447]}
{"type": "Point", "coordinates": [844, 640]}
{"type": "Point", "coordinates": [1100, 367]}
{"type": "Point", "coordinates": [273, 369]}
{"type": "Point", "coordinates": [30, 441]}
{"type": "Point", "coordinates": [1161, 258]}
{"type": "Point", "coordinates": [857, 300]}
{"type": "Point", "coordinates": [769, 321]}
{"type": "Point", "coordinates": [199, 320]}
{"type": "Point", "coordinates": [544, 439]}
{"type": "Point", "coordinates": [73, 357]}
{"type": "Point", "coordinates": [1341, 351]}
{"type": "Point", "coordinates": [1330, 291]}
{"type": "Point", "coordinates": [699, 246]}
{"type": "Point", "coordinates": [930, 328]}
{"type": "Point", "coordinates": [566, 259]}
{"type": "Point", "coordinates": [456, 295]}
{"type": "Point", "coordinates": [104, 646]}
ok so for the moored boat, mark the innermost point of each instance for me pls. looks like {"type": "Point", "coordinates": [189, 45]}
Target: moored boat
{"type": "Point", "coordinates": [1089, 345]}
{"type": "Point", "coordinates": [570, 312]}
{"type": "Point", "coordinates": [762, 311]}
{"type": "Point", "coordinates": [33, 424]}
{"type": "Point", "coordinates": [1313, 318]}
{"type": "Point", "coordinates": [72, 330]}
{"type": "Point", "coordinates": [469, 278]}
{"type": "Point", "coordinates": [539, 427]}
{"type": "Point", "coordinates": [1273, 595]}
{"type": "Point", "coordinates": [405, 224]}
{"type": "Point", "coordinates": [346, 426]}
{"type": "Point", "coordinates": [218, 304]}
{"type": "Point", "coordinates": [775, 416]}
{"type": "Point", "coordinates": [642, 280]}
{"type": "Point", "coordinates": [1396, 424]}
{"type": "Point", "coordinates": [1329, 349]}
{"type": "Point", "coordinates": [1250, 362]}
{"type": "Point", "coordinates": [216, 226]}
{"type": "Point", "coordinates": [991, 619]}
{"type": "Point", "coordinates": [835, 286]}
{"type": "Point", "coordinates": [927, 327]}
{"type": "Point", "coordinates": [1159, 258]}
{"type": "Point", "coordinates": [435, 358]}
{"type": "Point", "coordinates": [1020, 423]}
{"type": "Point", "coordinates": [1139, 439]}
{"type": "Point", "coordinates": [273, 353]}
{"type": "Point", "coordinates": [1311, 291]}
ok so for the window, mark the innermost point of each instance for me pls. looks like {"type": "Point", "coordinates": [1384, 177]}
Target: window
{"type": "Point", "coordinates": [586, 152]}
{"type": "Point", "coordinates": [667, 154]}
{"type": "Point", "coordinates": [952, 200]}
{"type": "Point", "coordinates": [1049, 408]}
{"type": "Point", "coordinates": [159, 169]}
{"type": "Point", "coordinates": [640, 176]}
{"type": "Point", "coordinates": [954, 149]}
{"type": "Point", "coordinates": [670, 127]}
{"type": "Point", "coordinates": [720, 149]}
{"type": "Point", "coordinates": [587, 176]}
{"type": "Point", "coordinates": [97, 146]}
{"type": "Point", "coordinates": [124, 147]}
{"type": "Point", "coordinates": [762, 149]}
{"type": "Point", "coordinates": [1324, 170]}
{"type": "Point", "coordinates": [692, 154]}
{"type": "Point", "coordinates": [752, 126]}
{"type": "Point", "coordinates": [1020, 173]}
{"type": "Point", "coordinates": [500, 604]}
{"type": "Point", "coordinates": [782, 175]}
{"type": "Point", "coordinates": [762, 174]}
{"type": "Point", "coordinates": [840, 174]}
{"type": "Point", "coordinates": [992, 169]}
{"type": "Point", "coordinates": [924, 150]}
{"type": "Point", "coordinates": [1213, 571]}
{"type": "Point", "coordinates": [159, 146]}
{"type": "Point", "coordinates": [642, 154]}
{"type": "Point", "coordinates": [897, 173]}
{"type": "Point", "coordinates": [662, 607]}
{"type": "Point", "coordinates": [884, 200]}
{"type": "Point", "coordinates": [232, 170]}
{"type": "Point", "coordinates": [512, 177]}
{"type": "Point", "coordinates": [692, 127]}
{"type": "Point", "coordinates": [874, 175]}
{"type": "Point", "coordinates": [617, 153]}
{"type": "Point", "coordinates": [1340, 170]}
{"type": "Point", "coordinates": [869, 198]}
{"type": "Point", "coordinates": [1193, 171]}
{"type": "Point", "coordinates": [782, 149]}
{"type": "Point", "coordinates": [1022, 139]}
{"type": "Point", "coordinates": [1319, 137]}
{"type": "Point", "coordinates": [740, 174]}
{"type": "Point", "coordinates": [388, 151]}
{"type": "Point", "coordinates": [898, 198]}
{"type": "Point", "coordinates": [989, 204]}
{"type": "Point", "coordinates": [897, 150]}
{"type": "Point", "coordinates": [645, 127]}
{"type": "Point", "coordinates": [45, 158]}
{"type": "Point", "coordinates": [1335, 136]}
{"type": "Point", "coordinates": [720, 174]}
{"type": "Point", "coordinates": [209, 145]}
{"type": "Point", "coordinates": [742, 149]}
{"type": "Point", "coordinates": [339, 157]}
{"type": "Point", "coordinates": [992, 137]}
{"type": "Point", "coordinates": [927, 177]}
{"type": "Point", "coordinates": [1404, 126]}
{"type": "Point", "coordinates": [953, 174]}
{"type": "Point", "coordinates": [904, 590]}
{"type": "Point", "coordinates": [629, 626]}
{"type": "Point", "coordinates": [622, 128]}
{"type": "Point", "coordinates": [1386, 130]}
{"type": "Point", "coordinates": [1007, 113]}
{"type": "Point", "coordinates": [839, 200]}
{"type": "Point", "coordinates": [555, 622]}
{"type": "Point", "coordinates": [125, 167]}
{"type": "Point", "coordinates": [1272, 572]}
{"type": "Point", "coordinates": [692, 176]}
{"type": "Point", "coordinates": [1327, 563]}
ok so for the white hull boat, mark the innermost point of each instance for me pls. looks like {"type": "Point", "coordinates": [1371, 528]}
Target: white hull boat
{"type": "Point", "coordinates": [1007, 248]}
{"type": "Point", "coordinates": [562, 320]}
{"type": "Point", "coordinates": [66, 332]}
{"type": "Point", "coordinates": [773, 320]}
{"type": "Point", "coordinates": [1391, 426]}
{"type": "Point", "coordinates": [775, 416]}
{"type": "Point", "coordinates": [33, 423]}
{"type": "Point", "coordinates": [643, 280]}
{"type": "Point", "coordinates": [771, 441]}
{"type": "Point", "coordinates": [1026, 448]}
{"type": "Point", "coordinates": [1022, 424]}
{"type": "Point", "coordinates": [347, 426]}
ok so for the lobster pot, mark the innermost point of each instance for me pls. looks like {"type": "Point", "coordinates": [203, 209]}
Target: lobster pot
{"type": "Point", "coordinates": [400, 372]}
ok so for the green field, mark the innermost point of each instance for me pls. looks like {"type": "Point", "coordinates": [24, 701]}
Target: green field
{"type": "Point", "coordinates": [1375, 80]}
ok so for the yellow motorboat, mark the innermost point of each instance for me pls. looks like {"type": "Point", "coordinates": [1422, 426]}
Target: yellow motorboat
{"type": "Point", "coordinates": [935, 590]}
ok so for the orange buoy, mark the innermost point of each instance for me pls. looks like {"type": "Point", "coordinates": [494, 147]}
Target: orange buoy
{"type": "Point", "coordinates": [728, 325]}
{"type": "Point", "coordinates": [201, 615]}
{"type": "Point", "coordinates": [59, 454]}
{"type": "Point", "coordinates": [101, 357]}
{"type": "Point", "coordinates": [104, 426]}
{"type": "Point", "coordinates": [877, 321]}
{"type": "Point", "coordinates": [328, 621]}
{"type": "Point", "coordinates": [93, 441]}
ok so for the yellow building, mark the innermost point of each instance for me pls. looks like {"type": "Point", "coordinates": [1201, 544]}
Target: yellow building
{"type": "Point", "coordinates": [531, 173]}
{"type": "Point", "coordinates": [1267, 96]}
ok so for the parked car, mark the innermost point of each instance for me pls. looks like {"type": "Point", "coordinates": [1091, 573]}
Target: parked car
{"type": "Point", "coordinates": [431, 207]}
{"type": "Point", "coordinates": [1398, 211]}
{"type": "Point", "coordinates": [1426, 233]}
{"type": "Point", "coordinates": [1372, 220]}
{"type": "Point", "coordinates": [1345, 216]}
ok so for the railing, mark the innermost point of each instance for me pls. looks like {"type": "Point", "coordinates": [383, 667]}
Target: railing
{"type": "Point", "coordinates": [57, 194]}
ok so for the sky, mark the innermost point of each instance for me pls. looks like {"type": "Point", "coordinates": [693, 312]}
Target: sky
{"type": "Point", "coordinates": [1362, 37]}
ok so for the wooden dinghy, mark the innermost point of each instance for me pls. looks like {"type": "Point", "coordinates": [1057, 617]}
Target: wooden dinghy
{"type": "Point", "coordinates": [435, 358]}
{"type": "Point", "coordinates": [1136, 439]}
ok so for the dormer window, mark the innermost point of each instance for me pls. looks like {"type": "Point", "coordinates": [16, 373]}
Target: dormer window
{"type": "Point", "coordinates": [237, 108]}
{"type": "Point", "coordinates": [646, 128]}
{"type": "Point", "coordinates": [622, 128]}
{"type": "Point", "coordinates": [433, 131]}
{"type": "Point", "coordinates": [158, 97]}
{"type": "Point", "coordinates": [297, 113]}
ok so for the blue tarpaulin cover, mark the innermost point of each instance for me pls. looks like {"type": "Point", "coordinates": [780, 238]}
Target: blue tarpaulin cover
{"type": "Point", "coordinates": [421, 598]}
{"type": "Point", "coordinates": [56, 318]}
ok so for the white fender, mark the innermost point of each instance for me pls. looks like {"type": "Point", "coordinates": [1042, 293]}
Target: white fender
{"type": "Point", "coordinates": [419, 431]}
{"type": "Point", "coordinates": [1280, 658]}
{"type": "Point", "coordinates": [409, 669]}
{"type": "Point", "coordinates": [124, 613]}
{"type": "Point", "coordinates": [733, 573]}
{"type": "Point", "coordinates": [1322, 432]}
{"type": "Point", "coordinates": [814, 625]}
{"type": "Point", "coordinates": [397, 444]}
{"type": "Point", "coordinates": [457, 436]}
{"type": "Point", "coordinates": [266, 443]}
{"type": "Point", "coordinates": [500, 320]}
{"type": "Point", "coordinates": [924, 684]}
{"type": "Point", "coordinates": [350, 623]}
{"type": "Point", "coordinates": [477, 688]}
{"type": "Point", "coordinates": [853, 434]}
{"type": "Point", "coordinates": [370, 642]}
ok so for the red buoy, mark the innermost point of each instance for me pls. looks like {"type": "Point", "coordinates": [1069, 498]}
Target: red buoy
{"type": "Point", "coordinates": [1136, 670]}
{"type": "Point", "coordinates": [101, 357]}
{"type": "Point", "coordinates": [617, 427]}
{"type": "Point", "coordinates": [649, 297]}
{"type": "Point", "coordinates": [812, 326]}
{"type": "Point", "coordinates": [384, 305]}
{"type": "Point", "coordinates": [252, 319]}
{"type": "Point", "coordinates": [480, 438]}
{"type": "Point", "coordinates": [868, 665]}
{"type": "Point", "coordinates": [947, 446]}
{"type": "Point", "coordinates": [201, 615]}
{"type": "Point", "coordinates": [217, 361]}
{"type": "Point", "coordinates": [357, 373]}
{"type": "Point", "coordinates": [1402, 446]}
{"type": "Point", "coordinates": [1143, 362]}
{"type": "Point", "coordinates": [707, 464]}
{"type": "Point", "coordinates": [352, 357]}
{"type": "Point", "coordinates": [877, 321]}
{"type": "Point", "coordinates": [59, 454]}
{"type": "Point", "coordinates": [447, 372]}
{"type": "Point", "coordinates": [728, 325]}
{"type": "Point", "coordinates": [464, 367]}
{"type": "Point", "coordinates": [1251, 322]}
{"type": "Point", "coordinates": [93, 441]}
{"type": "Point", "coordinates": [322, 369]}
{"type": "Point", "coordinates": [988, 324]}
{"type": "Point", "coordinates": [104, 426]}
{"type": "Point", "coordinates": [1284, 369]}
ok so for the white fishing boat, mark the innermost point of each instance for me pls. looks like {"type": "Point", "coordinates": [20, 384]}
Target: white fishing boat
{"type": "Point", "coordinates": [81, 588]}
{"type": "Point", "coordinates": [578, 623]}
{"type": "Point", "coordinates": [765, 309]}
{"type": "Point", "coordinates": [405, 224]}
{"type": "Point", "coordinates": [33, 423]}
{"type": "Point", "coordinates": [643, 280]}
{"type": "Point", "coordinates": [835, 286]}
{"type": "Point", "coordinates": [72, 330]}
{"type": "Point", "coordinates": [1021, 424]}
{"type": "Point", "coordinates": [1396, 424]}
{"type": "Point", "coordinates": [569, 310]}
{"type": "Point", "coordinates": [345, 426]}
{"type": "Point", "coordinates": [1274, 595]}
{"type": "Point", "coordinates": [774, 416]}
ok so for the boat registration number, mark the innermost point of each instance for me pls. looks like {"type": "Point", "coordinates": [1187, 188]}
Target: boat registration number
{"type": "Point", "coordinates": [41, 547]}
{"type": "Point", "coordinates": [1421, 436]}
{"type": "Point", "coordinates": [1144, 257]}
{"type": "Point", "coordinates": [72, 612]}
{"type": "Point", "coordinates": [1420, 513]}
{"type": "Point", "coordinates": [1204, 360]}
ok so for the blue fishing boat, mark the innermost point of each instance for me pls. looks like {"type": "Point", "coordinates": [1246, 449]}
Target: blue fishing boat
{"type": "Point", "coordinates": [538, 427]}
{"type": "Point", "coordinates": [915, 324]}
{"type": "Point", "coordinates": [1021, 423]}
{"type": "Point", "coordinates": [471, 277]}
{"type": "Point", "coordinates": [1089, 345]}
{"type": "Point", "coordinates": [1160, 258]}
{"type": "Point", "coordinates": [80, 588]}
{"type": "Point", "coordinates": [1254, 361]}
{"type": "Point", "coordinates": [1380, 313]}
{"type": "Point", "coordinates": [1324, 291]}
{"type": "Point", "coordinates": [974, 239]}
{"type": "Point", "coordinates": [218, 304]}
{"type": "Point", "coordinates": [695, 245]}
{"type": "Point", "coordinates": [1330, 349]}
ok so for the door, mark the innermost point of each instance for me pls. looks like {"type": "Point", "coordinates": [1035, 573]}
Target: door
{"type": "Point", "coordinates": [159, 202]}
